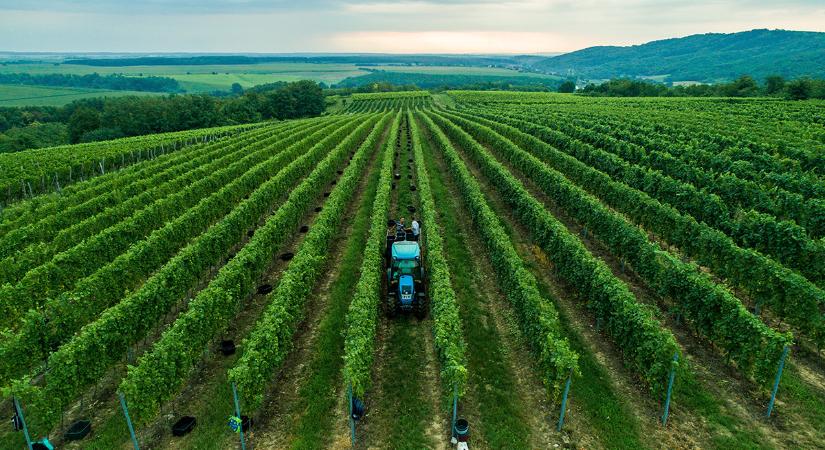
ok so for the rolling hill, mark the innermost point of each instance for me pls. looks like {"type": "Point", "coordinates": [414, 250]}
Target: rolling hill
{"type": "Point", "coordinates": [701, 57]}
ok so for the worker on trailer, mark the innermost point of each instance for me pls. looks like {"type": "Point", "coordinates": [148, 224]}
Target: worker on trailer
{"type": "Point", "coordinates": [400, 230]}
{"type": "Point", "coordinates": [416, 229]}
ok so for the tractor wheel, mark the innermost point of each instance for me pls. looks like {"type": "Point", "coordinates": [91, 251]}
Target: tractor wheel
{"type": "Point", "coordinates": [421, 307]}
{"type": "Point", "coordinates": [391, 306]}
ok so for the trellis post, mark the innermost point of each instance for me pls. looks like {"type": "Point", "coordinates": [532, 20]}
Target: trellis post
{"type": "Point", "coordinates": [455, 410]}
{"type": "Point", "coordinates": [128, 421]}
{"type": "Point", "coordinates": [19, 411]}
{"type": "Point", "coordinates": [778, 377]}
{"type": "Point", "coordinates": [670, 388]}
{"type": "Point", "coordinates": [238, 413]}
{"type": "Point", "coordinates": [351, 420]}
{"type": "Point", "coordinates": [564, 400]}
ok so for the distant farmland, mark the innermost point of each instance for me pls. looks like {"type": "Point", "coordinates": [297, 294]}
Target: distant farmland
{"type": "Point", "coordinates": [209, 78]}
{"type": "Point", "coordinates": [22, 95]}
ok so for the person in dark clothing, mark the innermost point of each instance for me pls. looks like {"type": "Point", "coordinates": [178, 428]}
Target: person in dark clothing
{"type": "Point", "coordinates": [400, 230]}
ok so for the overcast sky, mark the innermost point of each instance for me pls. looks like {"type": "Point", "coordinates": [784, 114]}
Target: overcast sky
{"type": "Point", "coordinates": [450, 26]}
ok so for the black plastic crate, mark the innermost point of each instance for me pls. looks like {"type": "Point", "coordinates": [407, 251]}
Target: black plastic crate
{"type": "Point", "coordinates": [184, 426]}
{"type": "Point", "coordinates": [264, 289]}
{"type": "Point", "coordinates": [78, 430]}
{"type": "Point", "coordinates": [228, 348]}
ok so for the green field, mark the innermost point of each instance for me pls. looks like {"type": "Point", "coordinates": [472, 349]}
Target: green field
{"type": "Point", "coordinates": [18, 95]}
{"type": "Point", "coordinates": [208, 78]}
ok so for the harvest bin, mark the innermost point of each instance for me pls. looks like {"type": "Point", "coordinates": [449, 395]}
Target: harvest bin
{"type": "Point", "coordinates": [228, 348]}
{"type": "Point", "coordinates": [246, 422]}
{"type": "Point", "coordinates": [462, 430]}
{"type": "Point", "coordinates": [183, 426]}
{"type": "Point", "coordinates": [358, 409]}
{"type": "Point", "coordinates": [264, 289]}
{"type": "Point", "coordinates": [78, 430]}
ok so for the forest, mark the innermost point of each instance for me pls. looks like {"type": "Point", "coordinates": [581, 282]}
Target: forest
{"type": "Point", "coordinates": [454, 81]}
{"type": "Point", "coordinates": [94, 81]}
{"type": "Point", "coordinates": [110, 118]}
{"type": "Point", "coordinates": [744, 86]}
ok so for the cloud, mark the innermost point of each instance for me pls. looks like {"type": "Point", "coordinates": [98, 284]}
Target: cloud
{"type": "Point", "coordinates": [513, 26]}
{"type": "Point", "coordinates": [203, 6]}
{"type": "Point", "coordinates": [437, 41]}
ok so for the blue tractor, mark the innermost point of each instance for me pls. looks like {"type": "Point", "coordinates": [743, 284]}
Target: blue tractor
{"type": "Point", "coordinates": [406, 278]}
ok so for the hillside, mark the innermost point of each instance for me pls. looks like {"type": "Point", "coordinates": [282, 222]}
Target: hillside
{"type": "Point", "coordinates": [701, 57]}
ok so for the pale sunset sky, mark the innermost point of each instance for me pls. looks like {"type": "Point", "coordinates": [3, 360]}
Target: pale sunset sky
{"type": "Point", "coordinates": [451, 26]}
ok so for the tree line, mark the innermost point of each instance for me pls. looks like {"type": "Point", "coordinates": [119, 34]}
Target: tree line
{"type": "Point", "coordinates": [98, 119]}
{"type": "Point", "coordinates": [114, 82]}
{"type": "Point", "coordinates": [744, 86]}
{"type": "Point", "coordinates": [446, 81]}
{"type": "Point", "coordinates": [365, 60]}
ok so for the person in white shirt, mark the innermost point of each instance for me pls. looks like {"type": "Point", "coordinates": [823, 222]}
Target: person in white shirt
{"type": "Point", "coordinates": [416, 229]}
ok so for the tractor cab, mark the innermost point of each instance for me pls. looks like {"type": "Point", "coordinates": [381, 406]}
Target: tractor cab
{"type": "Point", "coordinates": [405, 279]}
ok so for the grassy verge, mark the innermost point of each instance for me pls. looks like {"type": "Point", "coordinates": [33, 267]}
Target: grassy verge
{"type": "Point", "coordinates": [796, 398]}
{"type": "Point", "coordinates": [726, 431]}
{"type": "Point", "coordinates": [607, 415]}
{"type": "Point", "coordinates": [404, 412]}
{"type": "Point", "coordinates": [402, 193]}
{"type": "Point", "coordinates": [112, 434]}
